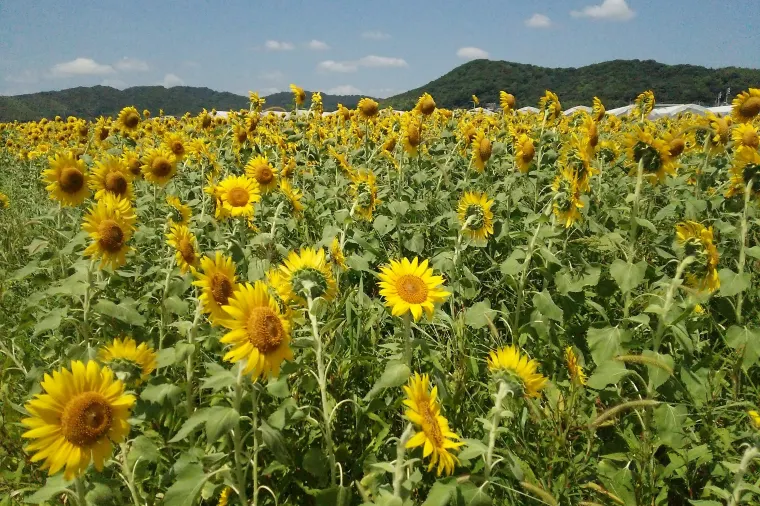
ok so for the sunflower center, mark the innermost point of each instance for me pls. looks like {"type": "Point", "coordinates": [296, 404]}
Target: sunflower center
{"type": "Point", "coordinates": [650, 156]}
{"type": "Point", "coordinates": [116, 183]}
{"type": "Point", "coordinates": [177, 148]}
{"type": "Point", "coordinates": [722, 129]}
{"type": "Point", "coordinates": [241, 136]}
{"type": "Point", "coordinates": [161, 167]}
{"type": "Point", "coordinates": [264, 175]}
{"type": "Point", "coordinates": [750, 107]}
{"type": "Point", "coordinates": [412, 289]}
{"type": "Point", "coordinates": [309, 281]}
{"type": "Point", "coordinates": [749, 138]}
{"type": "Point", "coordinates": [677, 146]}
{"type": "Point", "coordinates": [111, 236]}
{"type": "Point", "coordinates": [206, 121]}
{"type": "Point", "coordinates": [593, 135]}
{"type": "Point", "coordinates": [131, 120]}
{"type": "Point", "coordinates": [221, 288]}
{"type": "Point", "coordinates": [431, 428]}
{"type": "Point", "coordinates": [71, 180]}
{"type": "Point", "coordinates": [86, 419]}
{"type": "Point", "coordinates": [528, 151]}
{"type": "Point", "coordinates": [83, 131]}
{"type": "Point", "coordinates": [427, 106]}
{"type": "Point", "coordinates": [103, 134]}
{"type": "Point", "coordinates": [185, 248]}
{"type": "Point", "coordinates": [238, 197]}
{"type": "Point", "coordinates": [475, 217]}
{"type": "Point", "coordinates": [413, 135]}
{"type": "Point", "coordinates": [370, 109]}
{"type": "Point", "coordinates": [484, 150]}
{"type": "Point", "coordinates": [134, 166]}
{"type": "Point", "coordinates": [264, 329]}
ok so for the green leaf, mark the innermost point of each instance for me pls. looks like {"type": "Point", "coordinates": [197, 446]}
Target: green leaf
{"type": "Point", "coordinates": [656, 375]}
{"type": "Point", "coordinates": [122, 312]}
{"type": "Point", "coordinates": [395, 375]}
{"type": "Point", "coordinates": [669, 422]}
{"type": "Point", "coordinates": [175, 305]}
{"type": "Point", "coordinates": [546, 306]}
{"type": "Point", "coordinates": [186, 488]}
{"type": "Point", "coordinates": [468, 494]}
{"type": "Point", "coordinates": [166, 357]}
{"type": "Point", "coordinates": [567, 282]}
{"type": "Point", "coordinates": [219, 378]}
{"type": "Point", "coordinates": [144, 449]}
{"type": "Point", "coordinates": [383, 225]}
{"type": "Point", "coordinates": [159, 393]}
{"type": "Point", "coordinates": [441, 493]}
{"type": "Point", "coordinates": [478, 315]}
{"type": "Point", "coordinates": [279, 387]}
{"type": "Point", "coordinates": [220, 420]}
{"type": "Point", "coordinates": [628, 276]}
{"type": "Point", "coordinates": [54, 485]}
{"type": "Point", "coordinates": [732, 283]}
{"type": "Point", "coordinates": [609, 373]}
{"type": "Point", "coordinates": [51, 322]}
{"type": "Point", "coordinates": [746, 341]}
{"type": "Point", "coordinates": [416, 243]}
{"type": "Point", "coordinates": [276, 443]}
{"type": "Point", "coordinates": [316, 463]}
{"type": "Point", "coordinates": [195, 420]}
{"type": "Point", "coordinates": [358, 263]}
{"type": "Point", "coordinates": [474, 448]}
{"type": "Point", "coordinates": [334, 496]}
{"type": "Point", "coordinates": [606, 343]}
{"type": "Point", "coordinates": [398, 207]}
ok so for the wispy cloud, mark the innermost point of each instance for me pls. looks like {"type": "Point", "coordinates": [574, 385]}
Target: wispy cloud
{"type": "Point", "coordinates": [131, 65]}
{"type": "Point", "coordinates": [610, 10]}
{"type": "Point", "coordinates": [538, 21]}
{"type": "Point", "coordinates": [344, 89]}
{"type": "Point", "coordinates": [318, 45]}
{"type": "Point", "coordinates": [472, 53]}
{"type": "Point", "coordinates": [381, 61]}
{"type": "Point", "coordinates": [171, 80]}
{"type": "Point", "coordinates": [336, 66]}
{"type": "Point", "coordinates": [81, 67]}
{"type": "Point", "coordinates": [277, 45]}
{"type": "Point", "coordinates": [375, 35]}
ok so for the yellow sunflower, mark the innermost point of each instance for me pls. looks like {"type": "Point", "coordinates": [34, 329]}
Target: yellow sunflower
{"type": "Point", "coordinates": [518, 370]}
{"type": "Point", "coordinates": [259, 333]}
{"type": "Point", "coordinates": [131, 161]}
{"type": "Point", "coordinates": [307, 273]}
{"type": "Point", "coordinates": [525, 152]}
{"type": "Point", "coordinates": [576, 156]}
{"type": "Point", "coordinates": [111, 176]}
{"type": "Point", "coordinates": [368, 108]}
{"type": "Point", "coordinates": [184, 243]}
{"type": "Point", "coordinates": [293, 195]}
{"type": "Point", "coordinates": [74, 422]}
{"type": "Point", "coordinates": [425, 104]}
{"type": "Point", "coordinates": [746, 105]}
{"type": "Point", "coordinates": [697, 241]}
{"type": "Point", "coordinates": [411, 287]}
{"type": "Point", "coordinates": [475, 216]}
{"type": "Point", "coordinates": [4, 201]}
{"type": "Point", "coordinates": [132, 363]}
{"type": "Point", "coordinates": [550, 106]}
{"type": "Point", "coordinates": [745, 135]}
{"type": "Point", "coordinates": [67, 179]}
{"type": "Point", "coordinates": [567, 198]}
{"type": "Point", "coordinates": [180, 213]}
{"type": "Point", "coordinates": [481, 150]}
{"type": "Point", "coordinates": [653, 153]}
{"type": "Point", "coordinates": [364, 191]}
{"type": "Point", "coordinates": [299, 96]}
{"type": "Point", "coordinates": [259, 168]}
{"type": "Point", "coordinates": [435, 436]}
{"type": "Point", "coordinates": [411, 134]}
{"type": "Point", "coordinates": [746, 168]}
{"type": "Point", "coordinates": [110, 223]}
{"type": "Point", "coordinates": [129, 119]}
{"type": "Point", "coordinates": [336, 254]}
{"type": "Point", "coordinates": [177, 144]}
{"type": "Point", "coordinates": [238, 194]}
{"type": "Point", "coordinates": [574, 368]}
{"type": "Point", "coordinates": [218, 283]}
{"type": "Point", "coordinates": [506, 101]}
{"type": "Point", "coordinates": [721, 129]}
{"type": "Point", "coordinates": [159, 165]}
{"type": "Point", "coordinates": [643, 105]}
{"type": "Point", "coordinates": [597, 110]}
{"type": "Point", "coordinates": [754, 417]}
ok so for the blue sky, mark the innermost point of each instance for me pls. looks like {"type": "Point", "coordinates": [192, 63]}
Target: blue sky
{"type": "Point", "coordinates": [375, 48]}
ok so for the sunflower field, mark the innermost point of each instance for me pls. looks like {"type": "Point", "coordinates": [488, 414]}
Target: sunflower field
{"type": "Point", "coordinates": [386, 308]}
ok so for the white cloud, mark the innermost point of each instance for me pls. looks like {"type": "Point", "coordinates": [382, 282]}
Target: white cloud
{"type": "Point", "coordinates": [382, 61]}
{"type": "Point", "coordinates": [80, 67]}
{"type": "Point", "coordinates": [131, 65]}
{"type": "Point", "coordinates": [538, 21]}
{"type": "Point", "coordinates": [375, 35]}
{"type": "Point", "coordinates": [171, 80]}
{"type": "Point", "coordinates": [318, 45]}
{"type": "Point", "coordinates": [344, 89]}
{"type": "Point", "coordinates": [472, 53]}
{"type": "Point", "coordinates": [336, 66]}
{"type": "Point", "coordinates": [114, 83]}
{"type": "Point", "coordinates": [276, 45]}
{"type": "Point", "coordinates": [24, 77]}
{"type": "Point", "coordinates": [612, 10]}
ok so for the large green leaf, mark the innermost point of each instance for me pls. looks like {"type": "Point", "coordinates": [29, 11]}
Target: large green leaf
{"type": "Point", "coordinates": [122, 312]}
{"type": "Point", "coordinates": [609, 373]}
{"type": "Point", "coordinates": [731, 283]}
{"type": "Point", "coordinates": [190, 424]}
{"type": "Point", "coordinates": [628, 275]}
{"type": "Point", "coordinates": [606, 343]}
{"type": "Point", "coordinates": [220, 420]}
{"type": "Point", "coordinates": [395, 375]}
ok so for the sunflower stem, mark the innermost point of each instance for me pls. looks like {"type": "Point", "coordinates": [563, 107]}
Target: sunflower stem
{"type": "Point", "coordinates": [661, 326]}
{"type": "Point", "coordinates": [495, 419]}
{"type": "Point", "coordinates": [635, 209]}
{"type": "Point", "coordinates": [254, 429]}
{"type": "Point", "coordinates": [322, 379]}
{"type": "Point", "coordinates": [398, 473]}
{"type": "Point", "coordinates": [130, 479]}
{"type": "Point", "coordinates": [164, 291]}
{"type": "Point", "coordinates": [523, 279]}
{"type": "Point", "coordinates": [81, 491]}
{"type": "Point", "coordinates": [190, 366]}
{"type": "Point", "coordinates": [86, 306]}
{"type": "Point", "coordinates": [408, 338]}
{"type": "Point", "coordinates": [238, 440]}
{"type": "Point", "coordinates": [743, 247]}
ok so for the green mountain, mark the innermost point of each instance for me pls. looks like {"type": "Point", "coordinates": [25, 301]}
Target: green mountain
{"type": "Point", "coordinates": [91, 102]}
{"type": "Point", "coordinates": [616, 83]}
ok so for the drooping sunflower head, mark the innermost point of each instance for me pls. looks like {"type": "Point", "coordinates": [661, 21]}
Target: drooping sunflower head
{"type": "Point", "coordinates": [238, 194]}
{"type": "Point", "coordinates": [159, 165]}
{"type": "Point", "coordinates": [411, 287]}
{"type": "Point", "coordinates": [263, 172]}
{"type": "Point", "coordinates": [506, 101]}
{"type": "Point", "coordinates": [745, 135]}
{"type": "Point", "coordinates": [525, 152]}
{"type": "Point", "coordinates": [576, 156]}
{"type": "Point", "coordinates": [364, 191]}
{"type": "Point", "coordinates": [299, 96]}
{"type": "Point", "coordinates": [293, 196]}
{"type": "Point", "coordinates": [336, 254]}
{"type": "Point", "coordinates": [425, 104]}
{"type": "Point", "coordinates": [608, 151]}
{"type": "Point", "coordinates": [475, 216]}
{"type": "Point", "coordinates": [434, 434]}
{"type": "Point", "coordinates": [481, 150]}
{"type": "Point", "coordinates": [653, 155]}
{"type": "Point", "coordinates": [746, 105]}
{"type": "Point", "coordinates": [745, 170]}
{"type": "Point", "coordinates": [697, 241]}
{"type": "Point", "coordinates": [411, 133]}
{"type": "Point", "coordinates": [574, 368]}
{"type": "Point", "coordinates": [81, 413]}
{"type": "Point", "coordinates": [218, 282]}
{"type": "Point", "coordinates": [308, 275]}
{"type": "Point", "coordinates": [590, 131]}
{"type": "Point", "coordinates": [721, 129]}
{"type": "Point", "coordinates": [368, 108]}
{"type": "Point", "coordinates": [475, 101]}
{"type": "Point", "coordinates": [517, 370]}
{"type": "Point", "coordinates": [110, 224]}
{"type": "Point", "coordinates": [179, 213]}
{"type": "Point", "coordinates": [550, 106]}
{"type": "Point", "coordinates": [644, 104]}
{"type": "Point", "coordinates": [130, 362]}
{"type": "Point", "coordinates": [112, 176]}
{"type": "Point", "coordinates": [67, 179]}
{"type": "Point", "coordinates": [597, 110]}
{"type": "Point", "coordinates": [567, 202]}
{"type": "Point", "coordinates": [185, 246]}
{"type": "Point", "coordinates": [259, 333]}
{"type": "Point", "coordinates": [129, 119]}
{"type": "Point", "coordinates": [316, 104]}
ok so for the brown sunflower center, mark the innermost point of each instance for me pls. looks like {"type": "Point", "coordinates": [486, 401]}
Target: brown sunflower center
{"type": "Point", "coordinates": [427, 106]}
{"type": "Point", "coordinates": [677, 146]}
{"type": "Point", "coordinates": [264, 175]}
{"type": "Point", "coordinates": [178, 148]}
{"type": "Point", "coordinates": [751, 107]}
{"type": "Point", "coordinates": [111, 236]}
{"type": "Point", "coordinates": [238, 197]}
{"type": "Point", "coordinates": [134, 166]}
{"type": "Point", "coordinates": [103, 134]}
{"type": "Point", "coordinates": [749, 138]}
{"type": "Point", "coordinates": [241, 135]}
{"type": "Point", "coordinates": [370, 108]}
{"type": "Point", "coordinates": [412, 289]}
{"type": "Point", "coordinates": [484, 150]}
{"type": "Point", "coordinates": [160, 167]}
{"type": "Point", "coordinates": [116, 183]}
{"type": "Point", "coordinates": [185, 248]}
{"type": "Point", "coordinates": [221, 288]}
{"type": "Point", "coordinates": [264, 329]}
{"type": "Point", "coordinates": [131, 120]}
{"type": "Point", "coordinates": [431, 427]}
{"type": "Point", "coordinates": [413, 135]}
{"type": "Point", "coordinates": [71, 180]}
{"type": "Point", "coordinates": [593, 135]}
{"type": "Point", "coordinates": [83, 131]}
{"type": "Point", "coordinates": [86, 419]}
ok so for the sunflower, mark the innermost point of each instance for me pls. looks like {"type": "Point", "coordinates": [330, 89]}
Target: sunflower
{"type": "Point", "coordinates": [746, 168]}
{"type": "Point", "coordinates": [180, 213]}
{"type": "Point", "coordinates": [608, 151]}
{"type": "Point", "coordinates": [81, 412]}
{"type": "Point", "coordinates": [574, 368]}
{"type": "Point", "coordinates": [258, 168]}
{"type": "Point", "coordinates": [177, 144]}
{"type": "Point", "coordinates": [697, 241]}
{"type": "Point", "coordinates": [131, 161]}
{"type": "Point", "coordinates": [754, 417]}
{"type": "Point", "coordinates": [411, 287]}
{"type": "Point", "coordinates": [506, 101]}
{"type": "Point", "coordinates": [643, 105]}
{"type": "Point", "coordinates": [411, 134]}
{"type": "Point", "coordinates": [481, 150]}
{"type": "Point", "coordinates": [159, 165]}
{"type": "Point", "coordinates": [299, 96]}
{"type": "Point", "coordinates": [475, 101]}
{"type": "Point", "coordinates": [238, 194]}
{"type": "Point", "coordinates": [435, 436]}
{"type": "Point", "coordinates": [520, 371]}
{"type": "Point", "coordinates": [336, 254]}
{"type": "Point", "coordinates": [364, 191]}
{"type": "Point", "coordinates": [576, 156]}
{"type": "Point", "coordinates": [306, 273]}
{"type": "Point", "coordinates": [316, 104]}
{"type": "Point", "coordinates": [110, 223]}
{"type": "Point", "coordinates": [67, 179]}
{"type": "Point", "coordinates": [525, 152]}
{"type": "Point", "coordinates": [132, 363]}
{"type": "Point", "coordinates": [550, 106]}
{"type": "Point", "coordinates": [745, 135]}
{"type": "Point", "coordinates": [259, 333]}
{"type": "Point", "coordinates": [368, 108]}
{"type": "Point", "coordinates": [183, 241]}
{"type": "Point", "coordinates": [654, 154]}
{"type": "Point", "coordinates": [721, 129]}
{"type": "Point", "coordinates": [677, 143]}
{"type": "Point", "coordinates": [224, 497]}
{"type": "Point", "coordinates": [293, 195]}
{"type": "Point", "coordinates": [567, 197]}
{"type": "Point", "coordinates": [111, 176]}
{"type": "Point", "coordinates": [425, 104]}
{"type": "Point", "coordinates": [218, 283]}
{"type": "Point", "coordinates": [129, 119]}
{"type": "Point", "coordinates": [475, 216]}
{"type": "Point", "coordinates": [4, 201]}
{"type": "Point", "coordinates": [746, 105]}
{"type": "Point", "coordinates": [590, 131]}
{"type": "Point", "coordinates": [597, 110]}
